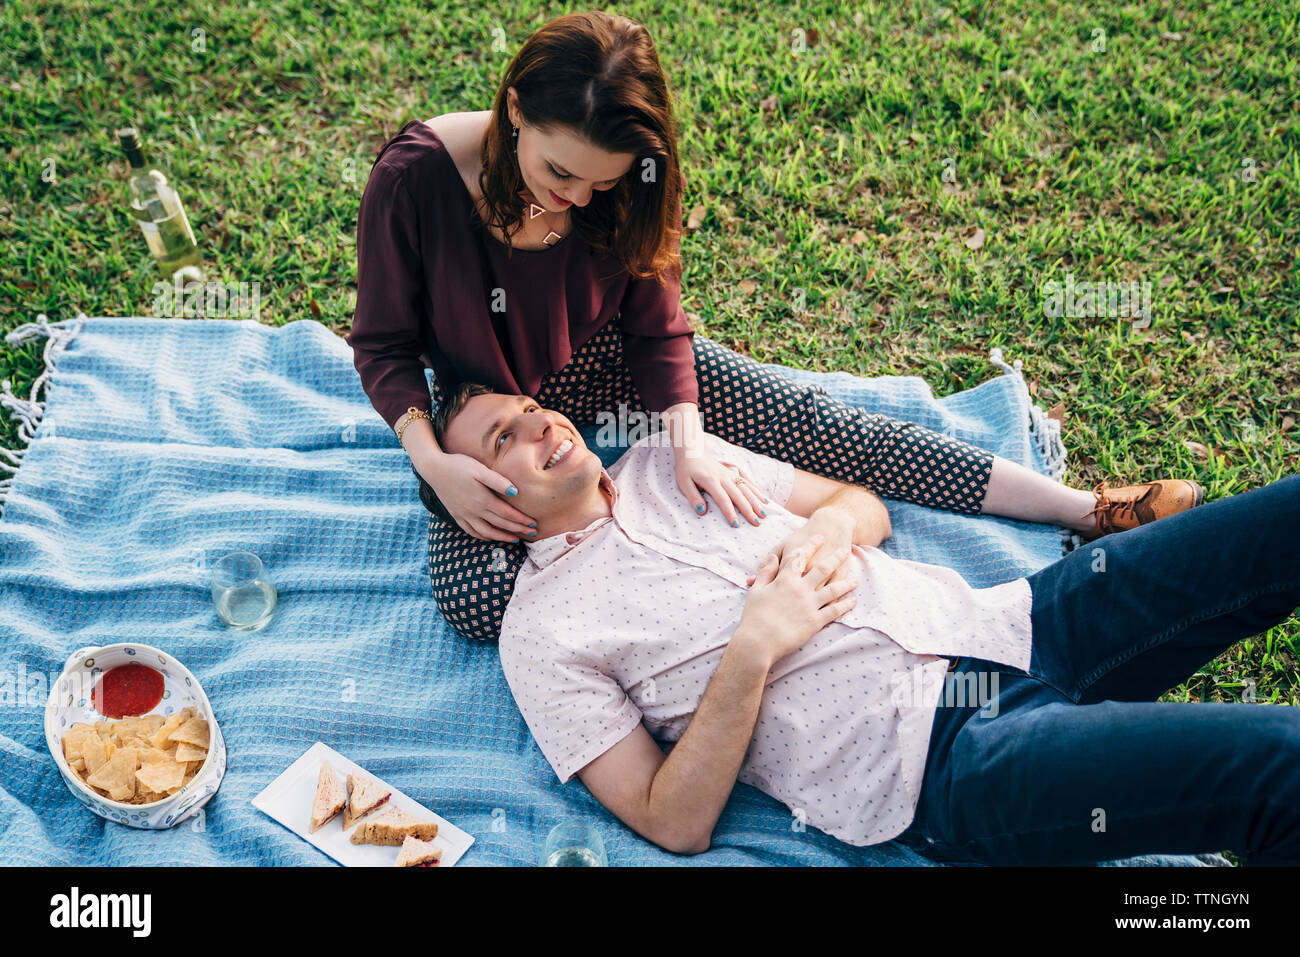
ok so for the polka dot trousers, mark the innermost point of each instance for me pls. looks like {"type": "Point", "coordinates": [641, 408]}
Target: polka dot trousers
{"type": "Point", "coordinates": [740, 401]}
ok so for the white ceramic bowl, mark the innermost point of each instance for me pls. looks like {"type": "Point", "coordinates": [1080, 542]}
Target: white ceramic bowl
{"type": "Point", "coordinates": [70, 702]}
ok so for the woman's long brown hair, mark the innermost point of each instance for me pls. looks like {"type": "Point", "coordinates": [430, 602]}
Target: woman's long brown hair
{"type": "Point", "coordinates": [595, 76]}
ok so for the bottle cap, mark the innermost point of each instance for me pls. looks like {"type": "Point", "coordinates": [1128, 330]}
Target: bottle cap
{"type": "Point", "coordinates": [129, 137]}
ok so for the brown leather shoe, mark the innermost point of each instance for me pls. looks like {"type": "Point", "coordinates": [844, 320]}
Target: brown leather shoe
{"type": "Point", "coordinates": [1119, 509]}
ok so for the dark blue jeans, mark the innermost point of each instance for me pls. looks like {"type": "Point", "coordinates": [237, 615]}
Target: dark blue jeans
{"type": "Point", "coordinates": [1075, 762]}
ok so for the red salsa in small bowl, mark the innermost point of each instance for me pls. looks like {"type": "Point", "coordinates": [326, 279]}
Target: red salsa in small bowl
{"type": "Point", "coordinates": [127, 691]}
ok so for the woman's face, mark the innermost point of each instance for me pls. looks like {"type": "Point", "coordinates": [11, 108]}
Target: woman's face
{"type": "Point", "coordinates": [561, 170]}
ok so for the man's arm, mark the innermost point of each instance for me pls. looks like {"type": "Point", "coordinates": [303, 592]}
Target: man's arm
{"type": "Point", "coordinates": [675, 801]}
{"type": "Point", "coordinates": [812, 493]}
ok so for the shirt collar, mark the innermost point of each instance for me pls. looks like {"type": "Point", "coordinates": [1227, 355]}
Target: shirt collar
{"type": "Point", "coordinates": [546, 550]}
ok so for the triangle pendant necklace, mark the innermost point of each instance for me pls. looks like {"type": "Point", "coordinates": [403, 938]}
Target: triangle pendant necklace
{"type": "Point", "coordinates": [534, 211]}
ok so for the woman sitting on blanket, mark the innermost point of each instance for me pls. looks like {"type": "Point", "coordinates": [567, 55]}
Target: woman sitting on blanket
{"type": "Point", "coordinates": [534, 247]}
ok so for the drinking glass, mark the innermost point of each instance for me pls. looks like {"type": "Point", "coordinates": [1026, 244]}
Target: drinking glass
{"type": "Point", "coordinates": [574, 844]}
{"type": "Point", "coordinates": [244, 593]}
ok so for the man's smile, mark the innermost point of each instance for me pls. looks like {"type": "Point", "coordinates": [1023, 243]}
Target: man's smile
{"type": "Point", "coordinates": [561, 453]}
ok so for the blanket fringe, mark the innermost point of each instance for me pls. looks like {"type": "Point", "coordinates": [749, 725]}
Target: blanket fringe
{"type": "Point", "coordinates": [29, 412]}
{"type": "Point", "coordinates": [1046, 435]}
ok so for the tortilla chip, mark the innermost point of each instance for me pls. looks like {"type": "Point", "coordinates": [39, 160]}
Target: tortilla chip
{"type": "Point", "coordinates": [152, 755]}
{"type": "Point", "coordinates": [158, 776]}
{"type": "Point", "coordinates": [125, 727]}
{"type": "Point", "coordinates": [117, 777]}
{"type": "Point", "coordinates": [172, 773]}
{"type": "Point", "coordinates": [194, 731]}
{"type": "Point", "coordinates": [128, 758]}
{"type": "Point", "coordinates": [74, 741]}
{"type": "Point", "coordinates": [96, 753]}
{"type": "Point", "coordinates": [161, 737]}
{"type": "Point", "coordinates": [145, 724]}
{"type": "Point", "coordinates": [188, 752]}
{"type": "Point", "coordinates": [138, 741]}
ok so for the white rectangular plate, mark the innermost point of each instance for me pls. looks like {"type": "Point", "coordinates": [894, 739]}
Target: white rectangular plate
{"type": "Point", "coordinates": [288, 799]}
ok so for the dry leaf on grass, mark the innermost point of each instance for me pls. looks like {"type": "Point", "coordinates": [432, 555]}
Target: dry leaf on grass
{"type": "Point", "coordinates": [1208, 453]}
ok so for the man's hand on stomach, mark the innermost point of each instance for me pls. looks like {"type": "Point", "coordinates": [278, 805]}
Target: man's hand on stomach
{"type": "Point", "coordinates": [835, 529]}
{"type": "Point", "coordinates": [792, 600]}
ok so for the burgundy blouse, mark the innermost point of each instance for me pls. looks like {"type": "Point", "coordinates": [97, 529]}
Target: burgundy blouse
{"type": "Point", "coordinates": [427, 268]}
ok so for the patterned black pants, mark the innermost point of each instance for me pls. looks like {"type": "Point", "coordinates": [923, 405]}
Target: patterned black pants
{"type": "Point", "coordinates": [741, 402]}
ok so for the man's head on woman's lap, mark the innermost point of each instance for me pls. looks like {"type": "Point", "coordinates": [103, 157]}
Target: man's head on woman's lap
{"type": "Point", "coordinates": [539, 450]}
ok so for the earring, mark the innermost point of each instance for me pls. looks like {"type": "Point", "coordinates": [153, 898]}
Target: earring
{"type": "Point", "coordinates": [533, 209]}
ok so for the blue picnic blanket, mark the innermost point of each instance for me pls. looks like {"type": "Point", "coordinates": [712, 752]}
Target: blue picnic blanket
{"type": "Point", "coordinates": [164, 443]}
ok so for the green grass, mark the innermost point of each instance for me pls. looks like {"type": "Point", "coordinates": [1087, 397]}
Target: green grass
{"type": "Point", "coordinates": [821, 170]}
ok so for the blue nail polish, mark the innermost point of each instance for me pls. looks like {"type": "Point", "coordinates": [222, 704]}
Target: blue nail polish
{"type": "Point", "coordinates": [699, 509]}
{"type": "Point", "coordinates": [736, 524]}
{"type": "Point", "coordinates": [532, 524]}
{"type": "Point", "coordinates": [762, 513]}
{"type": "Point", "coordinates": [512, 491]}
{"type": "Point", "coordinates": [532, 533]}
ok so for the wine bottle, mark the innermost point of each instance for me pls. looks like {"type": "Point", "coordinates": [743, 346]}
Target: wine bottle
{"type": "Point", "coordinates": [157, 208]}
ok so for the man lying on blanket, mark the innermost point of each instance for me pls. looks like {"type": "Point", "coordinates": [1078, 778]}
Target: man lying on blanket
{"type": "Point", "coordinates": [881, 698]}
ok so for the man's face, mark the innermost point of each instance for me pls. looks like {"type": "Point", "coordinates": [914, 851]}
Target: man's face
{"type": "Point", "coordinates": [513, 435]}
